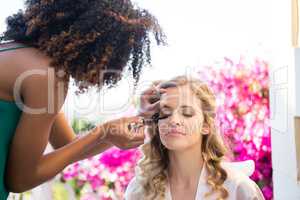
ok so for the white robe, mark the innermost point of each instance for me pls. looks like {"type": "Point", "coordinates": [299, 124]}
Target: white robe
{"type": "Point", "coordinates": [238, 185]}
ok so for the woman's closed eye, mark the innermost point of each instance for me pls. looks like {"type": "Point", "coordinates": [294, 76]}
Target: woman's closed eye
{"type": "Point", "coordinates": [187, 111]}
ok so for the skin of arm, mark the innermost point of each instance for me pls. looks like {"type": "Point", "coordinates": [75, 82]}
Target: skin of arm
{"type": "Point", "coordinates": [62, 134]}
{"type": "Point", "coordinates": [27, 167]}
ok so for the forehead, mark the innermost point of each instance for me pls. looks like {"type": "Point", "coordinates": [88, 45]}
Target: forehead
{"type": "Point", "coordinates": [178, 96]}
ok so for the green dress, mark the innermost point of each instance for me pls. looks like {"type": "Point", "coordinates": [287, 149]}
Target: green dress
{"type": "Point", "coordinates": [9, 118]}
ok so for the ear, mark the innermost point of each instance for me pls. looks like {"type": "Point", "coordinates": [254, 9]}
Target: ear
{"type": "Point", "coordinates": [205, 129]}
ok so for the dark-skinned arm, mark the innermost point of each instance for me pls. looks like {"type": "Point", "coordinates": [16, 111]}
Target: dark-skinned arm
{"type": "Point", "coordinates": [62, 134]}
{"type": "Point", "coordinates": [27, 167]}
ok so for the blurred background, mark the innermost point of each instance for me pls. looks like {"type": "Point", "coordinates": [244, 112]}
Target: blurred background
{"type": "Point", "coordinates": [231, 44]}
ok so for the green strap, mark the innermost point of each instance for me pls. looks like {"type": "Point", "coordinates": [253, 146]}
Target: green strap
{"type": "Point", "coordinates": [13, 48]}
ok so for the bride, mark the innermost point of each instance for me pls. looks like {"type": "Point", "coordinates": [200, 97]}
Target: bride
{"type": "Point", "coordinates": [185, 156]}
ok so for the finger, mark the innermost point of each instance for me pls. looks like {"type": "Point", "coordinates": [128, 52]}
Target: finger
{"type": "Point", "coordinates": [150, 98]}
{"type": "Point", "coordinates": [150, 109]}
{"type": "Point", "coordinates": [161, 90]}
{"type": "Point", "coordinates": [137, 133]}
{"type": "Point", "coordinates": [133, 124]}
{"type": "Point", "coordinates": [152, 92]}
{"type": "Point", "coordinates": [149, 91]}
{"type": "Point", "coordinates": [137, 137]}
{"type": "Point", "coordinates": [132, 119]}
{"type": "Point", "coordinates": [136, 144]}
{"type": "Point", "coordinates": [153, 107]}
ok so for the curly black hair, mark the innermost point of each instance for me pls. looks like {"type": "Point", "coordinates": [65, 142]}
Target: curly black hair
{"type": "Point", "coordinates": [90, 40]}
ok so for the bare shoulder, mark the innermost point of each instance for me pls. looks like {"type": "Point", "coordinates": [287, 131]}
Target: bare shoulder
{"type": "Point", "coordinates": [20, 64]}
{"type": "Point", "coordinates": [24, 58]}
{"type": "Point", "coordinates": [31, 58]}
{"type": "Point", "coordinates": [31, 77]}
{"type": "Point", "coordinates": [41, 89]}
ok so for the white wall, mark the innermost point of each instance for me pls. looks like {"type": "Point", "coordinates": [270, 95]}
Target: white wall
{"type": "Point", "coordinates": [283, 105]}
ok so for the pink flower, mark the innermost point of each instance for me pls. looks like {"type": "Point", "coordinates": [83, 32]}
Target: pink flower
{"type": "Point", "coordinates": [243, 113]}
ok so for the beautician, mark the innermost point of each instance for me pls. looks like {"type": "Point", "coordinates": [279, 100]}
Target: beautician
{"type": "Point", "coordinates": [45, 45]}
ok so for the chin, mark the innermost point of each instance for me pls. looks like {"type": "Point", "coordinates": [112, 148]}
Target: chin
{"type": "Point", "coordinates": [176, 145]}
{"type": "Point", "coordinates": [180, 143]}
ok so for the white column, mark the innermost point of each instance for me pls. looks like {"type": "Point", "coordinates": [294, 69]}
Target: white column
{"type": "Point", "coordinates": [284, 103]}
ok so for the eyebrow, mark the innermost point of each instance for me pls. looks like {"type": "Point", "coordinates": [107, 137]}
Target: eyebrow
{"type": "Point", "coordinates": [183, 106]}
{"type": "Point", "coordinates": [186, 106]}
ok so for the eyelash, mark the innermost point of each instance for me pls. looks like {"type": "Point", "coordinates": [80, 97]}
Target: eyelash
{"type": "Point", "coordinates": [188, 115]}
{"type": "Point", "coordinates": [166, 116]}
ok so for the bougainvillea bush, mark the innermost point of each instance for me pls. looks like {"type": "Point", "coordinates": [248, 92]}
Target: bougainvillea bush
{"type": "Point", "coordinates": [242, 91]}
{"type": "Point", "coordinates": [102, 177]}
{"type": "Point", "coordinates": [243, 118]}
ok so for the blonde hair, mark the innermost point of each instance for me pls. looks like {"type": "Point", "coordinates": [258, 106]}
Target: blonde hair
{"type": "Point", "coordinates": [150, 171]}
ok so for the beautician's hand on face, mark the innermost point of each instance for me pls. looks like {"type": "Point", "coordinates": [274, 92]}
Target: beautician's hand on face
{"type": "Point", "coordinates": [118, 133]}
{"type": "Point", "coordinates": [149, 102]}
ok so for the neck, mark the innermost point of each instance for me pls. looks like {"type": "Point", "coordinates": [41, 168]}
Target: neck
{"type": "Point", "coordinates": [185, 166]}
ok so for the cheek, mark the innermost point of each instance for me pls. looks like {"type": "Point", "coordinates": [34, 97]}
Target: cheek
{"type": "Point", "coordinates": [163, 130]}
{"type": "Point", "coordinates": [163, 127]}
{"type": "Point", "coordinates": [195, 137]}
{"type": "Point", "coordinates": [192, 126]}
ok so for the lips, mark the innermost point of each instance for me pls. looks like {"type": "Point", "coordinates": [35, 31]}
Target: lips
{"type": "Point", "coordinates": [175, 132]}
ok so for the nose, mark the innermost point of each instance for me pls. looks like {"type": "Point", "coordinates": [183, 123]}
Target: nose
{"type": "Point", "coordinates": [177, 124]}
{"type": "Point", "coordinates": [175, 121]}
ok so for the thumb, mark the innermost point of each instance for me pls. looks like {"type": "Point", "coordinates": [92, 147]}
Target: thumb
{"type": "Point", "coordinates": [153, 106]}
{"type": "Point", "coordinates": [135, 119]}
